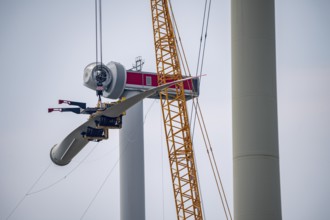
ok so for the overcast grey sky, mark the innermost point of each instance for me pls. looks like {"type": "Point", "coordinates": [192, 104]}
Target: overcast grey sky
{"type": "Point", "coordinates": [44, 47]}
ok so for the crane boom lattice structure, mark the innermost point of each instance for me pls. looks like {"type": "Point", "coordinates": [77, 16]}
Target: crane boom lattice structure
{"type": "Point", "coordinates": [175, 116]}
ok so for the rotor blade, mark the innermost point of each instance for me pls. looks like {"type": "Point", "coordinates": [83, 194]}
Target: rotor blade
{"type": "Point", "coordinates": [62, 153]}
{"type": "Point", "coordinates": [116, 110]}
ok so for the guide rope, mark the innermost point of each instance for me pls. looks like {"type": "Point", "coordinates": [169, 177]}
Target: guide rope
{"type": "Point", "coordinates": [30, 192]}
{"type": "Point", "coordinates": [100, 188]}
{"type": "Point", "coordinates": [125, 150]}
{"type": "Point", "coordinates": [26, 194]}
{"type": "Point", "coordinates": [65, 176]}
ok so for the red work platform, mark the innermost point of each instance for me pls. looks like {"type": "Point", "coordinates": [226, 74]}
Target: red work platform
{"type": "Point", "coordinates": [143, 81]}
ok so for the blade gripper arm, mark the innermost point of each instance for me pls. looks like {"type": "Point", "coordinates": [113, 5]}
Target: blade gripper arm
{"type": "Point", "coordinates": [74, 110]}
{"type": "Point", "coordinates": [90, 111]}
{"type": "Point", "coordinates": [79, 104]}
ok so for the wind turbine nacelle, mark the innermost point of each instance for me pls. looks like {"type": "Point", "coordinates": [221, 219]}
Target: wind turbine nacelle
{"type": "Point", "coordinates": [113, 78]}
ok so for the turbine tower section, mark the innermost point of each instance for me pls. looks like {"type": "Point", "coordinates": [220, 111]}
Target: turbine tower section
{"type": "Point", "coordinates": [131, 166]}
{"type": "Point", "coordinates": [257, 193]}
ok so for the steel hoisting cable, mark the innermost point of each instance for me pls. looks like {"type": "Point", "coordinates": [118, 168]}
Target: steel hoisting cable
{"type": "Point", "coordinates": [98, 30]}
{"type": "Point", "coordinates": [205, 133]}
{"type": "Point", "coordinates": [177, 33]}
{"type": "Point", "coordinates": [96, 34]}
{"type": "Point", "coordinates": [213, 163]}
{"type": "Point", "coordinates": [100, 9]}
{"type": "Point", "coordinates": [201, 52]}
{"type": "Point", "coordinates": [201, 38]}
{"type": "Point", "coordinates": [196, 105]}
{"type": "Point", "coordinates": [183, 59]}
{"type": "Point", "coordinates": [201, 121]}
{"type": "Point", "coordinates": [182, 55]}
{"type": "Point", "coordinates": [98, 39]}
{"type": "Point", "coordinates": [205, 38]}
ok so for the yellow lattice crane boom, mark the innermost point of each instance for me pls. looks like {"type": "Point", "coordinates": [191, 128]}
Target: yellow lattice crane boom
{"type": "Point", "coordinates": [175, 116]}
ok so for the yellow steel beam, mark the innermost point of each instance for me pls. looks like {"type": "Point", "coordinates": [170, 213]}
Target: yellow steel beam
{"type": "Point", "coordinates": [175, 116]}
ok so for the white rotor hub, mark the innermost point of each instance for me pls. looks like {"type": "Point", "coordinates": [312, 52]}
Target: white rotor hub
{"type": "Point", "coordinates": [113, 78]}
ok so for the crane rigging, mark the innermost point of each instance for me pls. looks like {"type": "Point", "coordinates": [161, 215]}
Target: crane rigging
{"type": "Point", "coordinates": [110, 81]}
{"type": "Point", "coordinates": [195, 103]}
{"type": "Point", "coordinates": [173, 90]}
{"type": "Point", "coordinates": [175, 116]}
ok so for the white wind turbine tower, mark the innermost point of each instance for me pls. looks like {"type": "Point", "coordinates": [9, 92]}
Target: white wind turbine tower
{"type": "Point", "coordinates": [257, 193]}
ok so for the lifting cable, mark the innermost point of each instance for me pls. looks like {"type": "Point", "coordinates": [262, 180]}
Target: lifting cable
{"type": "Point", "coordinates": [186, 70]}
{"type": "Point", "coordinates": [196, 106]}
{"type": "Point", "coordinates": [100, 74]}
{"type": "Point", "coordinates": [98, 30]}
